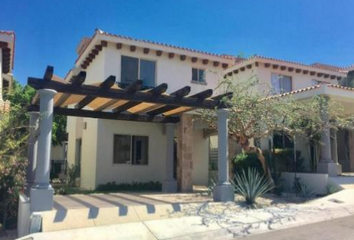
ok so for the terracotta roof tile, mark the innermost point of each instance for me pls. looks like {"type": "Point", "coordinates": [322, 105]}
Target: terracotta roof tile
{"type": "Point", "coordinates": [326, 66]}
{"type": "Point", "coordinates": [164, 44]}
{"type": "Point", "coordinates": [312, 88]}
{"type": "Point", "coordinates": [317, 66]}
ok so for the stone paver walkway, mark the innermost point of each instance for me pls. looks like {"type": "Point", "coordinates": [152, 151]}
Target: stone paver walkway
{"type": "Point", "coordinates": [203, 220]}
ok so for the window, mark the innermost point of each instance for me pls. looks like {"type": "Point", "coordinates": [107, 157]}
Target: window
{"type": "Point", "coordinates": [130, 150]}
{"type": "Point", "coordinates": [134, 68]}
{"type": "Point", "coordinates": [198, 75]}
{"type": "Point", "coordinates": [281, 83]}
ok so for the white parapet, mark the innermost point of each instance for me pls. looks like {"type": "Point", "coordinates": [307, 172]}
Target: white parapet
{"type": "Point", "coordinates": [314, 182]}
{"type": "Point", "coordinates": [24, 216]}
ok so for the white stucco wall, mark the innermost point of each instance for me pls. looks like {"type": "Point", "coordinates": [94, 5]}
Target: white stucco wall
{"type": "Point", "coordinates": [97, 156]}
{"type": "Point", "coordinates": [89, 153]}
{"type": "Point", "coordinates": [299, 80]}
{"type": "Point", "coordinates": [200, 158]}
{"type": "Point", "coordinates": [174, 72]}
{"type": "Point", "coordinates": [107, 171]}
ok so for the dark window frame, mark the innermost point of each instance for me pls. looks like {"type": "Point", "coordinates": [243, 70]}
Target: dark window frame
{"type": "Point", "coordinates": [133, 150]}
{"type": "Point", "coordinates": [280, 81]}
{"type": "Point", "coordinates": [201, 77]}
{"type": "Point", "coordinates": [139, 70]}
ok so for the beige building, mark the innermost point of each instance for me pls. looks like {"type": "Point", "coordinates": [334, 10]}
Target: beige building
{"type": "Point", "coordinates": [122, 151]}
{"type": "Point", "coordinates": [303, 82]}
{"type": "Point", "coordinates": [7, 51]}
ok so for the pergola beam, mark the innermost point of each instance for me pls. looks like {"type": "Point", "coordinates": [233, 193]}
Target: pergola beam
{"type": "Point", "coordinates": [79, 79]}
{"type": "Point", "coordinates": [48, 73]}
{"type": "Point", "coordinates": [122, 94]}
{"type": "Point", "coordinates": [108, 115]}
{"type": "Point", "coordinates": [155, 91]}
{"type": "Point", "coordinates": [106, 84]}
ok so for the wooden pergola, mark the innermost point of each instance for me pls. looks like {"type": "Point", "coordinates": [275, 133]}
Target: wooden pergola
{"type": "Point", "coordinates": [109, 100]}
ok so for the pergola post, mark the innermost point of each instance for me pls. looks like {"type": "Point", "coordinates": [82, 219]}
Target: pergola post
{"type": "Point", "coordinates": [32, 148]}
{"type": "Point", "coordinates": [334, 150]}
{"type": "Point", "coordinates": [326, 163]}
{"type": "Point", "coordinates": [170, 184]}
{"type": "Point", "coordinates": [223, 191]}
{"type": "Point", "coordinates": [42, 192]}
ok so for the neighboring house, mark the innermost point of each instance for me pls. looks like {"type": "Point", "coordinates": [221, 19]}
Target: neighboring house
{"type": "Point", "coordinates": [305, 81]}
{"type": "Point", "coordinates": [7, 51]}
{"type": "Point", "coordinates": [122, 151]}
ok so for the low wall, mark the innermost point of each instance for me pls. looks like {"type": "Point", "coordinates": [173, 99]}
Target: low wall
{"type": "Point", "coordinates": [316, 182]}
{"type": "Point", "coordinates": [24, 213]}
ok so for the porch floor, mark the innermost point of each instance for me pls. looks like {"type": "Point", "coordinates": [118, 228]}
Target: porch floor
{"type": "Point", "coordinates": [345, 181]}
{"type": "Point", "coordinates": [79, 211]}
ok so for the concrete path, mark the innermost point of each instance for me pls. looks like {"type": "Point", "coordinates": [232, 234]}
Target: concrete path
{"type": "Point", "coordinates": [215, 221]}
{"type": "Point", "coordinates": [342, 228]}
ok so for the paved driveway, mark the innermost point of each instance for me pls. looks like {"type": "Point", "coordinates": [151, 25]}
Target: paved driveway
{"type": "Point", "coordinates": [341, 229]}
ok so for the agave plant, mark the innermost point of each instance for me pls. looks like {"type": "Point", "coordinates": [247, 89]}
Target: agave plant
{"type": "Point", "coordinates": [251, 185]}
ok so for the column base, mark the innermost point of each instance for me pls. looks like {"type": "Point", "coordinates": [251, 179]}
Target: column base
{"type": "Point", "coordinates": [169, 186]}
{"type": "Point", "coordinates": [41, 199]}
{"type": "Point", "coordinates": [224, 193]}
{"type": "Point", "coordinates": [333, 169]}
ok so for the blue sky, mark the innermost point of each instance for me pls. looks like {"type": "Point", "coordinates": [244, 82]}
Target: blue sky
{"type": "Point", "coordinates": [48, 31]}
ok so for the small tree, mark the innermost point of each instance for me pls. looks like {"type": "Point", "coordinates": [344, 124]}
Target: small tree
{"type": "Point", "coordinates": [256, 113]}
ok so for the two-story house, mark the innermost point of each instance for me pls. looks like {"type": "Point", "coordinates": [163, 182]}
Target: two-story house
{"type": "Point", "coordinates": [336, 151]}
{"type": "Point", "coordinates": [7, 50]}
{"type": "Point", "coordinates": [122, 151]}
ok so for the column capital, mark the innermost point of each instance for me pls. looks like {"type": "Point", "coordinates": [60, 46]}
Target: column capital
{"type": "Point", "coordinates": [223, 111]}
{"type": "Point", "coordinates": [34, 114]}
{"type": "Point", "coordinates": [46, 91]}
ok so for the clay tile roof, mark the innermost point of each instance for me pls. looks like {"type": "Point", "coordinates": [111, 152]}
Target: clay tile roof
{"type": "Point", "coordinates": [164, 44]}
{"type": "Point", "coordinates": [315, 65]}
{"type": "Point", "coordinates": [326, 66]}
{"type": "Point", "coordinates": [312, 88]}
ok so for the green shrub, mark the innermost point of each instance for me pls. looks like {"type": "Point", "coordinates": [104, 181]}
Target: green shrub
{"type": "Point", "coordinates": [285, 160]}
{"type": "Point", "coordinates": [331, 188]}
{"type": "Point", "coordinates": [72, 173]}
{"type": "Point", "coordinates": [12, 182]}
{"type": "Point", "coordinates": [244, 161]}
{"type": "Point", "coordinates": [251, 185]}
{"type": "Point", "coordinates": [134, 186]}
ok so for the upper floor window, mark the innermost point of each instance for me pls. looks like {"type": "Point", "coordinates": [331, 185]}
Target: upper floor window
{"type": "Point", "coordinates": [134, 68]}
{"type": "Point", "coordinates": [130, 149]}
{"type": "Point", "coordinates": [198, 75]}
{"type": "Point", "coordinates": [281, 84]}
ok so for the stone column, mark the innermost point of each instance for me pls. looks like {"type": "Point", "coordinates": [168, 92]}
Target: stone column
{"type": "Point", "coordinates": [223, 191]}
{"type": "Point", "coordinates": [185, 153]}
{"type": "Point", "coordinates": [32, 148]}
{"type": "Point", "coordinates": [170, 184]}
{"type": "Point", "coordinates": [334, 150]}
{"type": "Point", "coordinates": [42, 192]}
{"type": "Point", "coordinates": [326, 164]}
